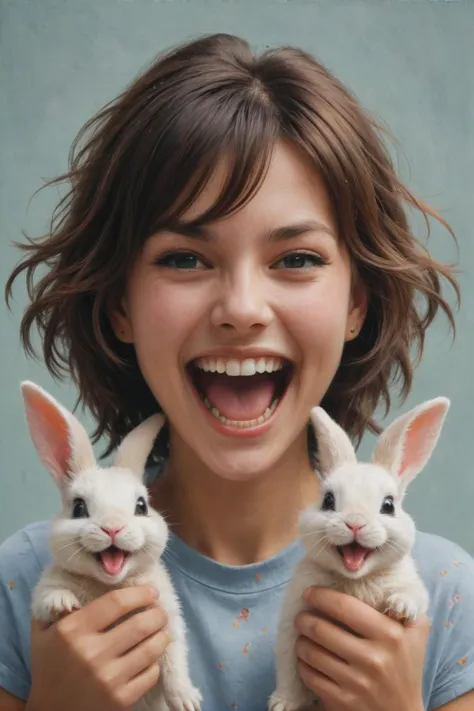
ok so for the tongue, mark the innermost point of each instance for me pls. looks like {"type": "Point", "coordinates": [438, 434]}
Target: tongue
{"type": "Point", "coordinates": [240, 397]}
{"type": "Point", "coordinates": [354, 556]}
{"type": "Point", "coordinates": [112, 561]}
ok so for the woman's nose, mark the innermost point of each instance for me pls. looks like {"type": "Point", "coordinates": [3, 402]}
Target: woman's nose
{"type": "Point", "coordinates": [241, 303]}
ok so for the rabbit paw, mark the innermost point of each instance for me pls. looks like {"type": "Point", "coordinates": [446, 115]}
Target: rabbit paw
{"type": "Point", "coordinates": [56, 604]}
{"type": "Point", "coordinates": [185, 698]}
{"type": "Point", "coordinates": [404, 607]}
{"type": "Point", "coordinates": [301, 702]}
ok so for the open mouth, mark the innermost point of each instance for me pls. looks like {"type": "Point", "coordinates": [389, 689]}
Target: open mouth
{"type": "Point", "coordinates": [354, 556]}
{"type": "Point", "coordinates": [112, 559]}
{"type": "Point", "coordinates": [241, 393]}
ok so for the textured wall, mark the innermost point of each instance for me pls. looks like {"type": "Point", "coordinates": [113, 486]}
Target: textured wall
{"type": "Point", "coordinates": [412, 63]}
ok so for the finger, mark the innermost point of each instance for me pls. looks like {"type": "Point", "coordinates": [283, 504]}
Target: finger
{"type": "Point", "coordinates": [328, 635]}
{"type": "Point", "coordinates": [142, 656]}
{"type": "Point", "coordinates": [323, 688]}
{"type": "Point", "coordinates": [354, 614]}
{"type": "Point", "coordinates": [322, 661]}
{"type": "Point", "coordinates": [139, 686]}
{"type": "Point", "coordinates": [134, 630]}
{"type": "Point", "coordinates": [111, 607]}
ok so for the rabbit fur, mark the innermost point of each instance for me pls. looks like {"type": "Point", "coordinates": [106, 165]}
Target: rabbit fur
{"type": "Point", "coordinates": [368, 498]}
{"type": "Point", "coordinates": [103, 506]}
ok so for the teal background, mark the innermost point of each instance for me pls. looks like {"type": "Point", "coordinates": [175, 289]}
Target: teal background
{"type": "Point", "coordinates": [411, 63]}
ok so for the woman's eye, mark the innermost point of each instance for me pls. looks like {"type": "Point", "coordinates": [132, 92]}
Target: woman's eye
{"type": "Point", "coordinates": [300, 260]}
{"type": "Point", "coordinates": [180, 260]}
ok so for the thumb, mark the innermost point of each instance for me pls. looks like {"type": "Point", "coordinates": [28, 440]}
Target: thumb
{"type": "Point", "coordinates": [420, 627]}
{"type": "Point", "coordinates": [38, 626]}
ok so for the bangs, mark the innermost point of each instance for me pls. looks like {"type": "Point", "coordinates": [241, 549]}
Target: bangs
{"type": "Point", "coordinates": [235, 126]}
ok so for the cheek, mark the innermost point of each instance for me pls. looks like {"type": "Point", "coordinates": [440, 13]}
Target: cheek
{"type": "Point", "coordinates": [317, 315]}
{"type": "Point", "coordinates": [162, 317]}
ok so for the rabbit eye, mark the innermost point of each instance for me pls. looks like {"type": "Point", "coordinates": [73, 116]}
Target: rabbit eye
{"type": "Point", "coordinates": [388, 506]}
{"type": "Point", "coordinates": [79, 509]}
{"type": "Point", "coordinates": [329, 502]}
{"type": "Point", "coordinates": [141, 509]}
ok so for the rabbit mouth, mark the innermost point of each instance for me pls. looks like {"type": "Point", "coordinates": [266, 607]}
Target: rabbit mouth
{"type": "Point", "coordinates": [354, 555]}
{"type": "Point", "coordinates": [112, 560]}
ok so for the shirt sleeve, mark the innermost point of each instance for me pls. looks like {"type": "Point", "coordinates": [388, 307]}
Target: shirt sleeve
{"type": "Point", "coordinates": [453, 630]}
{"type": "Point", "coordinates": [19, 570]}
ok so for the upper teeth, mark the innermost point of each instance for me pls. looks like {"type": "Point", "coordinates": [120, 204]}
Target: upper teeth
{"type": "Point", "coordinates": [249, 366]}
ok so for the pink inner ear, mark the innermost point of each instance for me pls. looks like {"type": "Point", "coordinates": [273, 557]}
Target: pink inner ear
{"type": "Point", "coordinates": [418, 439]}
{"type": "Point", "coordinates": [50, 434]}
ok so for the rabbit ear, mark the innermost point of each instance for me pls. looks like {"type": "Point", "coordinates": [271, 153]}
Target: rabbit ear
{"type": "Point", "coordinates": [136, 446]}
{"type": "Point", "coordinates": [407, 444]}
{"type": "Point", "coordinates": [334, 446]}
{"type": "Point", "coordinates": [60, 440]}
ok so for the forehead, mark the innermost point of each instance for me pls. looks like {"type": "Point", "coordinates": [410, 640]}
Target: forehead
{"type": "Point", "coordinates": [291, 189]}
{"type": "Point", "coordinates": [368, 480]}
{"type": "Point", "coordinates": [113, 486]}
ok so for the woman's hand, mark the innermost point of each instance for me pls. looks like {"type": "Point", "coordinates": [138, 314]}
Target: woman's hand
{"type": "Point", "coordinates": [81, 663]}
{"type": "Point", "coordinates": [377, 666]}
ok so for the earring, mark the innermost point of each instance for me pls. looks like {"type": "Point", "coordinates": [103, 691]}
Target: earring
{"type": "Point", "coordinates": [353, 330]}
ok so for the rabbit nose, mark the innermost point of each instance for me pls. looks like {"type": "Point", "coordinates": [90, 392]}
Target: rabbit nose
{"type": "Point", "coordinates": [112, 532]}
{"type": "Point", "coordinates": [353, 528]}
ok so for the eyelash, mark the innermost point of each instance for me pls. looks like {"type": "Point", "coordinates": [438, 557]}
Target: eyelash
{"type": "Point", "coordinates": [167, 260]}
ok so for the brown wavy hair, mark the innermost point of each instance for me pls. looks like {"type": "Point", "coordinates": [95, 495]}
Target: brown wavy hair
{"type": "Point", "coordinates": [142, 160]}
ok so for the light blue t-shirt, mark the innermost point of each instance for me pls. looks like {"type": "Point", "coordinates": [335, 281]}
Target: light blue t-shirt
{"type": "Point", "coordinates": [231, 613]}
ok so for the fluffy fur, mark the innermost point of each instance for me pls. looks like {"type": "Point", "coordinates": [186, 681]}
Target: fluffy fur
{"type": "Point", "coordinates": [110, 495]}
{"type": "Point", "coordinates": [387, 579]}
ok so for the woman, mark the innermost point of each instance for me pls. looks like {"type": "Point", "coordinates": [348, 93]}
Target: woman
{"type": "Point", "coordinates": [234, 250]}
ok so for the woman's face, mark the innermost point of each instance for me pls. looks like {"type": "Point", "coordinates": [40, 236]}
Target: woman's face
{"type": "Point", "coordinates": [239, 328]}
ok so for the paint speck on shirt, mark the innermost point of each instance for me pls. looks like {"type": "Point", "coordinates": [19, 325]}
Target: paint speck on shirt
{"type": "Point", "coordinates": [257, 578]}
{"type": "Point", "coordinates": [246, 647]}
{"type": "Point", "coordinates": [244, 614]}
{"type": "Point", "coordinates": [220, 665]}
{"type": "Point", "coordinates": [463, 661]}
{"type": "Point", "coordinates": [443, 573]}
{"type": "Point", "coordinates": [457, 598]}
{"type": "Point", "coordinates": [11, 584]}
{"type": "Point", "coordinates": [235, 624]}
{"type": "Point", "coordinates": [457, 563]}
{"type": "Point", "coordinates": [265, 629]}
{"type": "Point", "coordinates": [234, 705]}
{"type": "Point", "coordinates": [448, 624]}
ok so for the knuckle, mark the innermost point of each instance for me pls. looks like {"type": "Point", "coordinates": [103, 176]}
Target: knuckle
{"type": "Point", "coordinates": [65, 628]}
{"type": "Point", "coordinates": [395, 634]}
{"type": "Point", "coordinates": [377, 663]}
{"type": "Point", "coordinates": [117, 601]}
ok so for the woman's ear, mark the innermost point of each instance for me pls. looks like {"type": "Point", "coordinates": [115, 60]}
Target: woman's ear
{"type": "Point", "coordinates": [120, 321]}
{"type": "Point", "coordinates": [358, 306]}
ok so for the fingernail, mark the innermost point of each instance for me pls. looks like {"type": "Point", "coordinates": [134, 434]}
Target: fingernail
{"type": "Point", "coordinates": [154, 592]}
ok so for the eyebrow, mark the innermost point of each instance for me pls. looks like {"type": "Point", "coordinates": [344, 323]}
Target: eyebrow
{"type": "Point", "coordinates": [199, 232]}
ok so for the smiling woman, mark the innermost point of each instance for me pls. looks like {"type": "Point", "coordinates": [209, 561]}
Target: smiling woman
{"type": "Point", "coordinates": [234, 250]}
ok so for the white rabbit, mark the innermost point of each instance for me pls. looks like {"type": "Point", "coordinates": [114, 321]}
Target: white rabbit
{"type": "Point", "coordinates": [106, 535]}
{"type": "Point", "coordinates": [357, 537]}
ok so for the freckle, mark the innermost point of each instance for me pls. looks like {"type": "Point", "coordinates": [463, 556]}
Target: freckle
{"type": "Point", "coordinates": [462, 661]}
{"type": "Point", "coordinates": [235, 624]}
{"type": "Point", "coordinates": [443, 573]}
{"type": "Point", "coordinates": [220, 665]}
{"type": "Point", "coordinates": [11, 584]}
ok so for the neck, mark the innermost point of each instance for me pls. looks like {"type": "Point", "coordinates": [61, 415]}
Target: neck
{"type": "Point", "coordinates": [235, 522]}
